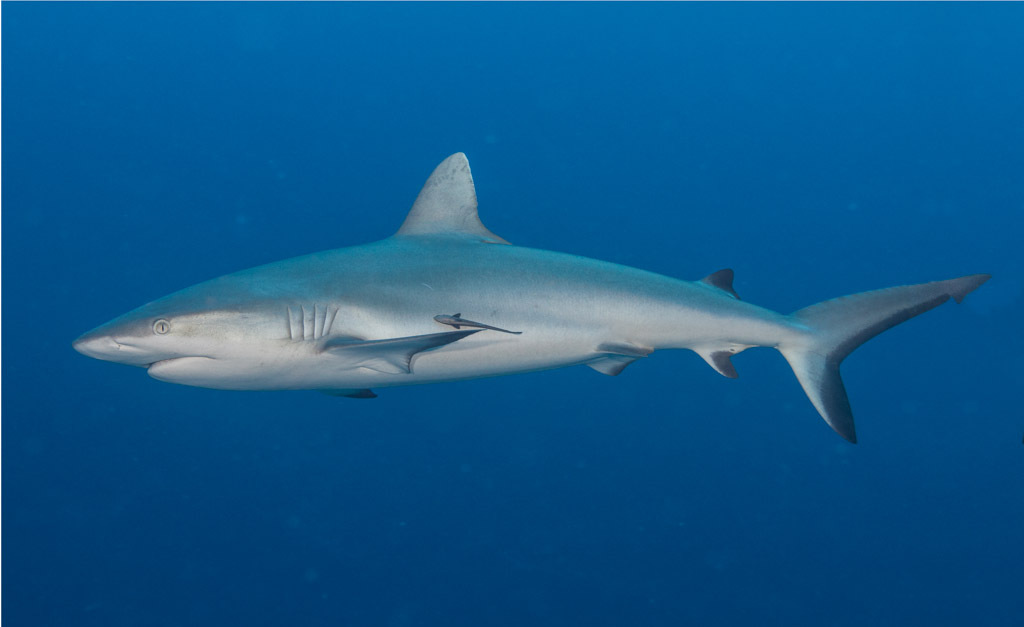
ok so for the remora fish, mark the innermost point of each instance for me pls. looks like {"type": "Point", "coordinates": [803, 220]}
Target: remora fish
{"type": "Point", "coordinates": [458, 322]}
{"type": "Point", "coordinates": [346, 320]}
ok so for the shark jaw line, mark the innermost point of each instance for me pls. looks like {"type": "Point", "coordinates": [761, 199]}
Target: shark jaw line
{"type": "Point", "coordinates": [172, 359]}
{"type": "Point", "coordinates": [161, 367]}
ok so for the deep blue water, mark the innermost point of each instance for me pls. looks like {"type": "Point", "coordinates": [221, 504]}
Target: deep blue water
{"type": "Point", "coordinates": [818, 150]}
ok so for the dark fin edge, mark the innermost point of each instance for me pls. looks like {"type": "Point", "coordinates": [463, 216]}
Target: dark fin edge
{"type": "Point", "coordinates": [723, 281]}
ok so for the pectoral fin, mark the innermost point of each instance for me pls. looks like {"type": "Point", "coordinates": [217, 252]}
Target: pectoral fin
{"type": "Point", "coordinates": [393, 356]}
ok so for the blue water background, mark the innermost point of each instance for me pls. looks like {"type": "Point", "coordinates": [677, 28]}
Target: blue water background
{"type": "Point", "coordinates": [818, 150]}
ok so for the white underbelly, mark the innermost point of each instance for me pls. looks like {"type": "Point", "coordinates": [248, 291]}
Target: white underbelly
{"type": "Point", "coordinates": [484, 354]}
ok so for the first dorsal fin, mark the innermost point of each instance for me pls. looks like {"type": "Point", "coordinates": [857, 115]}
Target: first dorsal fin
{"type": "Point", "coordinates": [722, 280]}
{"type": "Point", "coordinates": [447, 204]}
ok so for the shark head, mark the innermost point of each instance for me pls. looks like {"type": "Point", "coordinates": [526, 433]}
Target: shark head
{"type": "Point", "coordinates": [205, 333]}
{"type": "Point", "coordinates": [310, 322]}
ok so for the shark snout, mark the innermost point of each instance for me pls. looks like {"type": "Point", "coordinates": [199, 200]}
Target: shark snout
{"type": "Point", "coordinates": [96, 346]}
{"type": "Point", "coordinates": [100, 345]}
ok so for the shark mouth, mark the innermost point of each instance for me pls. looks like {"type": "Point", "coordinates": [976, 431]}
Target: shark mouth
{"type": "Point", "coordinates": [175, 367]}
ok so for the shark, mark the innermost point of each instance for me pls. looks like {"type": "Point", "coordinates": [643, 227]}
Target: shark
{"type": "Point", "coordinates": [348, 320]}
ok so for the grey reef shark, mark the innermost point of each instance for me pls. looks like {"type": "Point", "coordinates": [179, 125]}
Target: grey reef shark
{"type": "Point", "coordinates": [380, 314]}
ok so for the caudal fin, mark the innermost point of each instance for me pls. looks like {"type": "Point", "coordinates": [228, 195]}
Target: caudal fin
{"type": "Point", "coordinates": [835, 328]}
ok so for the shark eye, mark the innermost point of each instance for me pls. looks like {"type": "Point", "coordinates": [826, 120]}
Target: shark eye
{"type": "Point", "coordinates": [161, 326]}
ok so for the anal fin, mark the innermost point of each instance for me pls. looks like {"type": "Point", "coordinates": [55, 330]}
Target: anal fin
{"type": "Point", "coordinates": [719, 360]}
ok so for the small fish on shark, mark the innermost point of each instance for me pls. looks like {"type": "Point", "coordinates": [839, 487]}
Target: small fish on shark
{"type": "Point", "coordinates": [347, 320]}
{"type": "Point", "coordinates": [458, 322]}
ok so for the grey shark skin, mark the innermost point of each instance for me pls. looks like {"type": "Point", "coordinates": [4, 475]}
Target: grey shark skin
{"type": "Point", "coordinates": [346, 320]}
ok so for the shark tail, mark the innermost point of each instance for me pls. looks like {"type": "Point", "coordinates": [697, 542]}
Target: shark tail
{"type": "Point", "coordinates": [835, 328]}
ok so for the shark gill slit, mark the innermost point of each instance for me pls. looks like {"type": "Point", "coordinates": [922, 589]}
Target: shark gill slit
{"type": "Point", "coordinates": [307, 323]}
{"type": "Point", "coordinates": [310, 323]}
{"type": "Point", "coordinates": [328, 323]}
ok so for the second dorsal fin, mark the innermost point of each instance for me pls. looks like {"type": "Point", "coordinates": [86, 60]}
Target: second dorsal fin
{"type": "Point", "coordinates": [447, 204]}
{"type": "Point", "coordinates": [723, 281]}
